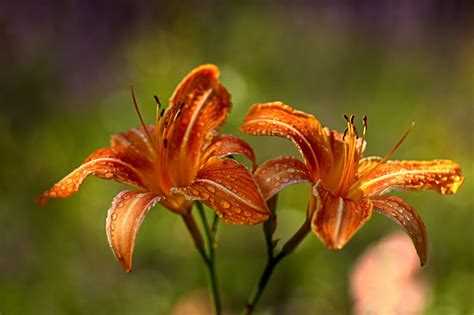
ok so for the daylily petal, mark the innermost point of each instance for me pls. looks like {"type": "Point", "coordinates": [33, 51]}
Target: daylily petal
{"type": "Point", "coordinates": [225, 145]}
{"type": "Point", "coordinates": [444, 176]}
{"type": "Point", "coordinates": [276, 174]}
{"type": "Point", "coordinates": [402, 213]}
{"type": "Point", "coordinates": [124, 219]}
{"type": "Point", "coordinates": [228, 187]}
{"type": "Point", "coordinates": [205, 106]}
{"type": "Point", "coordinates": [367, 164]}
{"type": "Point", "coordinates": [336, 219]}
{"type": "Point", "coordinates": [117, 163]}
{"type": "Point", "coordinates": [304, 130]}
{"type": "Point", "coordinates": [136, 139]}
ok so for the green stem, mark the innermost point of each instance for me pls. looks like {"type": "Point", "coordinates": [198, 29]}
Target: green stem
{"type": "Point", "coordinates": [211, 261]}
{"type": "Point", "coordinates": [195, 234]}
{"type": "Point", "coordinates": [273, 260]}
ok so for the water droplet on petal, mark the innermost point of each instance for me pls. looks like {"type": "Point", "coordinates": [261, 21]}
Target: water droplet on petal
{"type": "Point", "coordinates": [225, 204]}
{"type": "Point", "coordinates": [290, 170]}
{"type": "Point", "coordinates": [211, 189]}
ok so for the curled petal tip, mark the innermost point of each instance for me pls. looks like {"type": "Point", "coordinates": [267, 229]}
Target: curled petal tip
{"type": "Point", "coordinates": [402, 213]}
{"type": "Point", "coordinates": [42, 200]}
{"type": "Point", "coordinates": [125, 262]}
{"type": "Point", "coordinates": [123, 222]}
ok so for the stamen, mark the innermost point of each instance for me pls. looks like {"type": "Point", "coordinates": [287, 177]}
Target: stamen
{"type": "Point", "coordinates": [355, 131]}
{"type": "Point", "coordinates": [364, 132]}
{"type": "Point", "coordinates": [405, 135]}
{"type": "Point", "coordinates": [158, 116]}
{"type": "Point", "coordinates": [137, 109]}
{"type": "Point", "coordinates": [349, 152]}
{"type": "Point", "coordinates": [157, 100]}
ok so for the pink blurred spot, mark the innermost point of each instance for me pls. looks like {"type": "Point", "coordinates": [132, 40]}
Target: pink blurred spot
{"type": "Point", "coordinates": [194, 303]}
{"type": "Point", "coordinates": [384, 280]}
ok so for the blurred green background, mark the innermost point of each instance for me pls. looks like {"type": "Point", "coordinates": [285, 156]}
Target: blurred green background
{"type": "Point", "coordinates": [65, 72]}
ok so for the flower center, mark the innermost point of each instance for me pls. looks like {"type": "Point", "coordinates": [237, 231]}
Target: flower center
{"type": "Point", "coordinates": [352, 152]}
{"type": "Point", "coordinates": [162, 178]}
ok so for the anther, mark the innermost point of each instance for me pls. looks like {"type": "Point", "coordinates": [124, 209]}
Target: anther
{"type": "Point", "coordinates": [352, 119]}
{"type": "Point", "coordinates": [346, 118]}
{"type": "Point", "coordinates": [165, 143]}
{"type": "Point", "coordinates": [345, 133]}
{"type": "Point", "coordinates": [162, 112]}
{"type": "Point", "coordinates": [364, 121]}
{"type": "Point", "coordinates": [157, 100]}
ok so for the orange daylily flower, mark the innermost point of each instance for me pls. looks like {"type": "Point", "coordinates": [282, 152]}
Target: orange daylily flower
{"type": "Point", "coordinates": [179, 159]}
{"type": "Point", "coordinates": [346, 186]}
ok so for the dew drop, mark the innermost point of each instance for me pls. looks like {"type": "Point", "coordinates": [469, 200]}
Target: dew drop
{"type": "Point", "coordinates": [225, 204]}
{"type": "Point", "coordinates": [290, 170]}
{"type": "Point", "coordinates": [211, 189]}
{"type": "Point", "coordinates": [114, 217]}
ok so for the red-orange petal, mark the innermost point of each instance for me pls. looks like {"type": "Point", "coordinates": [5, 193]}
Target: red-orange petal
{"type": "Point", "coordinates": [367, 164]}
{"type": "Point", "coordinates": [276, 174]}
{"type": "Point", "coordinates": [336, 219]}
{"type": "Point", "coordinates": [224, 145]}
{"type": "Point", "coordinates": [443, 176]}
{"type": "Point", "coordinates": [117, 163]}
{"type": "Point", "coordinates": [124, 219]}
{"type": "Point", "coordinates": [206, 104]}
{"type": "Point", "coordinates": [229, 188]}
{"type": "Point", "coordinates": [304, 130]}
{"type": "Point", "coordinates": [136, 139]}
{"type": "Point", "coordinates": [402, 213]}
